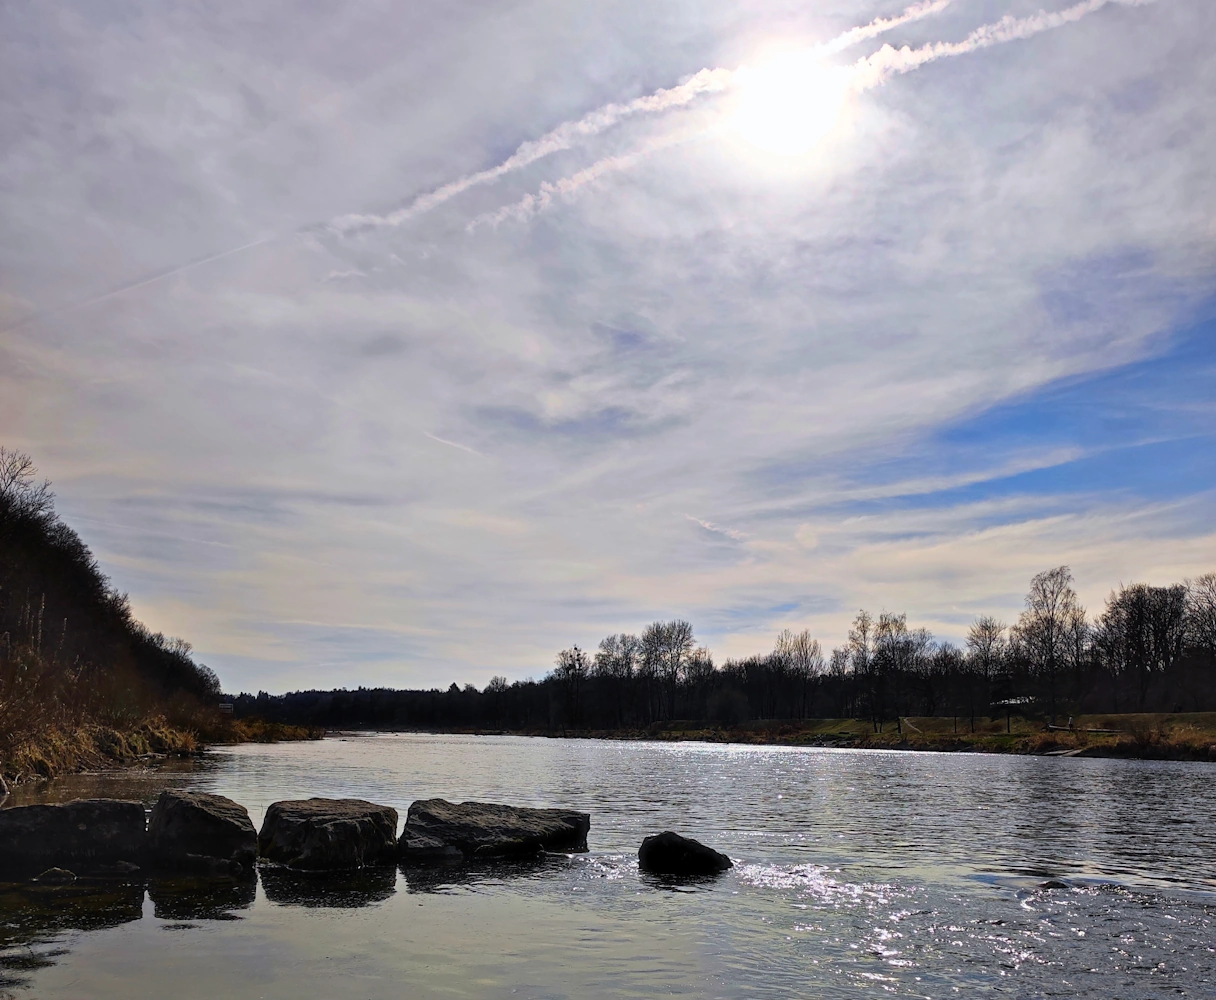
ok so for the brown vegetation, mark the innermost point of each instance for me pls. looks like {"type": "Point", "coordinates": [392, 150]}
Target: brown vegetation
{"type": "Point", "coordinates": [1184, 736]}
{"type": "Point", "coordinates": [83, 685]}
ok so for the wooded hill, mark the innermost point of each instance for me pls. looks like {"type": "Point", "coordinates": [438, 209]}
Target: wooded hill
{"type": "Point", "coordinates": [71, 653]}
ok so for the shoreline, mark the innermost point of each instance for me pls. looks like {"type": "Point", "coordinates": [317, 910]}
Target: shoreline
{"type": "Point", "coordinates": [1161, 742]}
{"type": "Point", "coordinates": [95, 747]}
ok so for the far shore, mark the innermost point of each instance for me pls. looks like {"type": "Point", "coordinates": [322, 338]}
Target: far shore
{"type": "Point", "coordinates": [1149, 736]}
{"type": "Point", "coordinates": [1182, 736]}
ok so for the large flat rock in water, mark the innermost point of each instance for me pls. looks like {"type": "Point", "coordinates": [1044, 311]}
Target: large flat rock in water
{"type": "Point", "coordinates": [436, 828]}
{"type": "Point", "coordinates": [328, 834]}
{"type": "Point", "coordinates": [192, 830]}
{"type": "Point", "coordinates": [83, 835]}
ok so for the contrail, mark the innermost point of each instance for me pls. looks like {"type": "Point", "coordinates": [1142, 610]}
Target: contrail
{"type": "Point", "coordinates": [880, 26]}
{"type": "Point", "coordinates": [887, 61]}
{"type": "Point", "coordinates": [562, 137]}
{"type": "Point", "coordinates": [131, 286]}
{"type": "Point", "coordinates": [530, 204]}
{"type": "Point", "coordinates": [568, 134]}
{"type": "Point", "coordinates": [866, 73]}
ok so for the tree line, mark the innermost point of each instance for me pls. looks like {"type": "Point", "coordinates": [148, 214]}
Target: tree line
{"type": "Point", "coordinates": [1149, 649]}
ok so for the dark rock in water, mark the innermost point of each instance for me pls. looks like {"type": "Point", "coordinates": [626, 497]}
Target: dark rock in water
{"type": "Point", "coordinates": [438, 829]}
{"type": "Point", "coordinates": [118, 868]}
{"type": "Point", "coordinates": [328, 834]}
{"type": "Point", "coordinates": [1054, 883]}
{"type": "Point", "coordinates": [670, 854]}
{"type": "Point", "coordinates": [84, 835]}
{"type": "Point", "coordinates": [196, 831]}
{"type": "Point", "coordinates": [56, 876]}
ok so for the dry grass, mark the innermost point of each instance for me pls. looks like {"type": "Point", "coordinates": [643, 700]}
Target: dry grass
{"type": "Point", "coordinates": [92, 746]}
{"type": "Point", "coordinates": [259, 731]}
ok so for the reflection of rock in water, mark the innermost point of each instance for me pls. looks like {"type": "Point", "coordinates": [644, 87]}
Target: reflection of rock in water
{"type": "Point", "coordinates": [348, 889]}
{"type": "Point", "coordinates": [35, 915]}
{"type": "Point", "coordinates": [680, 883]}
{"type": "Point", "coordinates": [186, 898]}
{"type": "Point", "coordinates": [446, 877]}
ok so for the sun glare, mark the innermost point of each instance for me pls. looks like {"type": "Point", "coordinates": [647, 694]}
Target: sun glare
{"type": "Point", "coordinates": [787, 104]}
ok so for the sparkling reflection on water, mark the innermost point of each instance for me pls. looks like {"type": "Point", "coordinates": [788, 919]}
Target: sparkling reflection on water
{"type": "Point", "coordinates": [858, 873]}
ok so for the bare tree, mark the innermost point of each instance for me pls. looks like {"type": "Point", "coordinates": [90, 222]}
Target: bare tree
{"type": "Point", "coordinates": [496, 692]}
{"type": "Point", "coordinates": [571, 672]}
{"type": "Point", "coordinates": [861, 641]}
{"type": "Point", "coordinates": [1201, 613]}
{"type": "Point", "coordinates": [667, 645]}
{"type": "Point", "coordinates": [616, 662]}
{"type": "Point", "coordinates": [698, 675]}
{"type": "Point", "coordinates": [861, 655]}
{"type": "Point", "coordinates": [986, 652]}
{"type": "Point", "coordinates": [21, 495]}
{"type": "Point", "coordinates": [838, 670]}
{"type": "Point", "coordinates": [1143, 631]}
{"type": "Point", "coordinates": [1044, 628]}
{"type": "Point", "coordinates": [986, 645]}
{"type": "Point", "coordinates": [943, 663]}
{"type": "Point", "coordinates": [804, 664]}
{"type": "Point", "coordinates": [899, 653]}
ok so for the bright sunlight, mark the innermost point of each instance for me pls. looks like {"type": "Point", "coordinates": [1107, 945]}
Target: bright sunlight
{"type": "Point", "coordinates": [788, 103]}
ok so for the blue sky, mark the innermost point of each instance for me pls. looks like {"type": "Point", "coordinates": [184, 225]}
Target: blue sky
{"type": "Point", "coordinates": [1145, 430]}
{"type": "Point", "coordinates": [404, 344]}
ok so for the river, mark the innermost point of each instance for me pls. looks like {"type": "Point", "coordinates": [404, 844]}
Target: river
{"type": "Point", "coordinates": [857, 873]}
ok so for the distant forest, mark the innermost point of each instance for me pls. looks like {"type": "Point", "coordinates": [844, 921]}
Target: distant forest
{"type": "Point", "coordinates": [1151, 649]}
{"type": "Point", "coordinates": [71, 652]}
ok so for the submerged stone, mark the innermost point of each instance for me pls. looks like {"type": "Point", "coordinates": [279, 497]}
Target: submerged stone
{"type": "Point", "coordinates": [201, 832]}
{"type": "Point", "coordinates": [56, 876]}
{"type": "Point", "coordinates": [668, 853]}
{"type": "Point", "coordinates": [436, 829]}
{"type": "Point", "coordinates": [328, 834]}
{"type": "Point", "coordinates": [85, 834]}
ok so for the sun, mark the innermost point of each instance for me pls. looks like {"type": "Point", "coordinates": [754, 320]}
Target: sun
{"type": "Point", "coordinates": [787, 104]}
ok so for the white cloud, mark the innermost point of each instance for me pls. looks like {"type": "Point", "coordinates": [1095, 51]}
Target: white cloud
{"type": "Point", "coordinates": [484, 448]}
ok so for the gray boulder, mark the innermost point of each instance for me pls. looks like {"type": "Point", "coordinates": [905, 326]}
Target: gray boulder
{"type": "Point", "coordinates": [83, 835]}
{"type": "Point", "coordinates": [198, 831]}
{"type": "Point", "coordinates": [436, 829]}
{"type": "Point", "coordinates": [668, 853]}
{"type": "Point", "coordinates": [328, 834]}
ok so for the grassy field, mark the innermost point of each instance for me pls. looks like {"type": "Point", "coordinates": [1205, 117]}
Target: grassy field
{"type": "Point", "coordinates": [1187, 736]}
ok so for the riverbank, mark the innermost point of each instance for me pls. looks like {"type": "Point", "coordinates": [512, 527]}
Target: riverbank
{"type": "Point", "coordinates": [95, 747]}
{"type": "Point", "coordinates": [1149, 736]}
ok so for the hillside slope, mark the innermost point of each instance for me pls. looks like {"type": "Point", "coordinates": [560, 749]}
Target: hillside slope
{"type": "Point", "coordinates": [80, 679]}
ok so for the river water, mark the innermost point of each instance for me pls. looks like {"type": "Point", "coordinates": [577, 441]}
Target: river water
{"type": "Point", "coordinates": [857, 873]}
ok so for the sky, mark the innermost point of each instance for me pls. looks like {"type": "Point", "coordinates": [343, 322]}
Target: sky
{"type": "Point", "coordinates": [402, 344]}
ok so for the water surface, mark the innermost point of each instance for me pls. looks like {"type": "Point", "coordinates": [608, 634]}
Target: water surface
{"type": "Point", "coordinates": [857, 873]}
